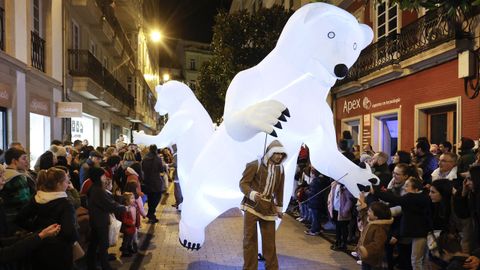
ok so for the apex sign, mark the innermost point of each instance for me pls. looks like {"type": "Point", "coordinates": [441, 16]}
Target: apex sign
{"type": "Point", "coordinates": [351, 105]}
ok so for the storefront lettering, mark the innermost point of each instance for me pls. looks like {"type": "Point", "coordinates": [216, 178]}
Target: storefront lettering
{"type": "Point", "coordinates": [351, 105]}
{"type": "Point", "coordinates": [387, 102]}
{"type": "Point", "coordinates": [4, 94]}
{"type": "Point", "coordinates": [38, 105]}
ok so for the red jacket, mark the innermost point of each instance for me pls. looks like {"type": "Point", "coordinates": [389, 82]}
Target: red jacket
{"type": "Point", "coordinates": [128, 222]}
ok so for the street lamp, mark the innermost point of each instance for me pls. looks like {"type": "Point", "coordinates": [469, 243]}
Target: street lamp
{"type": "Point", "coordinates": [166, 77]}
{"type": "Point", "coordinates": [156, 36]}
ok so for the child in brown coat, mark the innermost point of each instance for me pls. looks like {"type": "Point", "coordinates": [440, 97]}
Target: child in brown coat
{"type": "Point", "coordinates": [371, 246]}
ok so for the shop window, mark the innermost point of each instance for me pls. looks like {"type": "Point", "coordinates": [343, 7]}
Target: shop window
{"type": "Point", "coordinates": [353, 125]}
{"type": "Point", "coordinates": [385, 131]}
{"type": "Point", "coordinates": [86, 128]}
{"type": "Point", "coordinates": [39, 136]}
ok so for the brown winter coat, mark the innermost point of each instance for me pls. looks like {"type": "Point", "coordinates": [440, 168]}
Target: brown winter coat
{"type": "Point", "coordinates": [371, 245]}
{"type": "Point", "coordinates": [255, 180]}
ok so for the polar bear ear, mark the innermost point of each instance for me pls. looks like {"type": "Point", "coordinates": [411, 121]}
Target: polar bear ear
{"type": "Point", "coordinates": [367, 35]}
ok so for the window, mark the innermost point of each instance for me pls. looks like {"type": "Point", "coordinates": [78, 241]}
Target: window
{"type": "Point", "coordinates": [387, 18]}
{"type": "Point", "coordinates": [192, 64]}
{"type": "Point", "coordinates": [37, 19]}
{"type": "Point", "coordinates": [75, 36]}
{"type": "Point", "coordinates": [93, 48]}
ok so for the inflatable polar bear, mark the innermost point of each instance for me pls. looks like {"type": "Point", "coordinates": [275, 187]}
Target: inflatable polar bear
{"type": "Point", "coordinates": [189, 125]}
{"type": "Point", "coordinates": [317, 46]}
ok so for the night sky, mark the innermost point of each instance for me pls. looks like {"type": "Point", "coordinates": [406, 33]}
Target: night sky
{"type": "Point", "coordinates": [189, 19]}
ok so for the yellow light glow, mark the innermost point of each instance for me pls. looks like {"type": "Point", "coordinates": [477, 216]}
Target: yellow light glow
{"type": "Point", "coordinates": [156, 36]}
{"type": "Point", "coordinates": [166, 77]}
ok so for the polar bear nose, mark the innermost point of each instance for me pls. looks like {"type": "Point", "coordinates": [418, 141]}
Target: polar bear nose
{"type": "Point", "coordinates": [340, 70]}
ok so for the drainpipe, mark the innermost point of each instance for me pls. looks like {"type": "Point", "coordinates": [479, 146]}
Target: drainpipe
{"type": "Point", "coordinates": [66, 122]}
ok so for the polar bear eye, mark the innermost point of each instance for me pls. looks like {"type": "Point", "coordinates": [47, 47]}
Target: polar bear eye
{"type": "Point", "coordinates": [354, 46]}
{"type": "Point", "coordinates": [331, 35]}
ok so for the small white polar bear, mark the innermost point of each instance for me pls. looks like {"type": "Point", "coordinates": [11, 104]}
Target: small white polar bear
{"type": "Point", "coordinates": [189, 126]}
{"type": "Point", "coordinates": [317, 46]}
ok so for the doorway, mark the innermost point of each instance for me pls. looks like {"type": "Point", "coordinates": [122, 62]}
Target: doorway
{"type": "Point", "coordinates": [386, 132]}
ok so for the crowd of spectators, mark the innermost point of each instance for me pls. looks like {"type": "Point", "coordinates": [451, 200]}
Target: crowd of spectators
{"type": "Point", "coordinates": [66, 210]}
{"type": "Point", "coordinates": [431, 193]}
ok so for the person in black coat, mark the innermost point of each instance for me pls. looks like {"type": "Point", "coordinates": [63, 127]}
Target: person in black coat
{"type": "Point", "coordinates": [100, 205]}
{"type": "Point", "coordinates": [49, 206]}
{"type": "Point", "coordinates": [416, 220]}
{"type": "Point", "coordinates": [315, 201]}
{"type": "Point", "coordinates": [152, 166]}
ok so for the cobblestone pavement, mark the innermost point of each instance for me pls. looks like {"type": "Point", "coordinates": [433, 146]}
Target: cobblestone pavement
{"type": "Point", "coordinates": [160, 249]}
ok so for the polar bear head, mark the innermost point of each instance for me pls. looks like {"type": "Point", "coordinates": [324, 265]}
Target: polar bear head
{"type": "Point", "coordinates": [320, 38]}
{"type": "Point", "coordinates": [171, 95]}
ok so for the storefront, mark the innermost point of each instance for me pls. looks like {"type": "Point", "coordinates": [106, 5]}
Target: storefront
{"type": "Point", "coordinates": [391, 116]}
{"type": "Point", "coordinates": [87, 128]}
{"type": "Point", "coordinates": [5, 105]}
{"type": "Point", "coordinates": [40, 137]}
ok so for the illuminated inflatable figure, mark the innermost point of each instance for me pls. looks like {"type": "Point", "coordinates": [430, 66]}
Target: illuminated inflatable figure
{"type": "Point", "coordinates": [189, 126]}
{"type": "Point", "coordinates": [284, 96]}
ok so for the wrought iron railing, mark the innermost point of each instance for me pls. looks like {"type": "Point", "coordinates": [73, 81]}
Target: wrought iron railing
{"type": "Point", "coordinates": [424, 34]}
{"type": "Point", "coordinates": [83, 63]}
{"type": "Point", "coordinates": [38, 52]}
{"type": "Point", "coordinates": [2, 29]}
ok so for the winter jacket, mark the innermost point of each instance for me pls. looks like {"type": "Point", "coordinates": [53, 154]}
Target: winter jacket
{"type": "Point", "coordinates": [371, 245]}
{"type": "Point", "coordinates": [467, 158]}
{"type": "Point", "coordinates": [100, 205]}
{"type": "Point", "coordinates": [132, 179]}
{"type": "Point", "coordinates": [416, 221]}
{"type": "Point", "coordinates": [266, 179]}
{"type": "Point", "coordinates": [346, 202]}
{"type": "Point", "coordinates": [45, 209]}
{"type": "Point", "coordinates": [383, 173]}
{"type": "Point", "coordinates": [129, 221]}
{"type": "Point", "coordinates": [16, 193]}
{"type": "Point", "coordinates": [318, 184]}
{"type": "Point", "coordinates": [152, 166]}
{"type": "Point", "coordinates": [428, 163]}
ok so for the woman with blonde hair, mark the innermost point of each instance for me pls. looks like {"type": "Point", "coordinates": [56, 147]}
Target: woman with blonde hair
{"type": "Point", "coordinates": [50, 206]}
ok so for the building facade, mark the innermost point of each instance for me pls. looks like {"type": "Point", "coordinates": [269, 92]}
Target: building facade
{"type": "Point", "coordinates": [31, 73]}
{"type": "Point", "coordinates": [108, 66]}
{"type": "Point", "coordinates": [93, 52]}
{"type": "Point", "coordinates": [406, 84]}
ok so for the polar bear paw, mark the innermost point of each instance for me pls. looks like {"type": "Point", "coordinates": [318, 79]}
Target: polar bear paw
{"type": "Point", "coordinates": [190, 237]}
{"type": "Point", "coordinates": [266, 115]}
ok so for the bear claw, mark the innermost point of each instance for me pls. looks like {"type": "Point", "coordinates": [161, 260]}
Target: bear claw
{"type": "Point", "coordinates": [189, 245]}
{"type": "Point", "coordinates": [286, 112]}
{"type": "Point", "coordinates": [282, 118]}
{"type": "Point", "coordinates": [278, 125]}
{"type": "Point", "coordinates": [273, 133]}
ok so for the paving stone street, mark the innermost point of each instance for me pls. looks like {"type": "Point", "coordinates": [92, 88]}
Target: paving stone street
{"type": "Point", "coordinates": [222, 250]}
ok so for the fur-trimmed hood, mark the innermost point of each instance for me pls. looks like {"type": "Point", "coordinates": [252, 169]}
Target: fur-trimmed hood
{"type": "Point", "coordinates": [381, 221]}
{"type": "Point", "coordinates": [43, 197]}
{"type": "Point", "coordinates": [274, 147]}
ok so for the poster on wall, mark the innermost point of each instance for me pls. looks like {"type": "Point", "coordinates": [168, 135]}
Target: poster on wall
{"type": "Point", "coordinates": [366, 130]}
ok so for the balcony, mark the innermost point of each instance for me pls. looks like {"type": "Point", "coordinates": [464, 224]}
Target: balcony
{"type": "Point", "coordinates": [2, 29]}
{"type": "Point", "coordinates": [38, 52]}
{"type": "Point", "coordinates": [390, 56]}
{"type": "Point", "coordinates": [83, 64]}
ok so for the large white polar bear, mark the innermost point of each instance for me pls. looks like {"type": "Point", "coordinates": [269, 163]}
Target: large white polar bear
{"type": "Point", "coordinates": [189, 126]}
{"type": "Point", "coordinates": [317, 46]}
